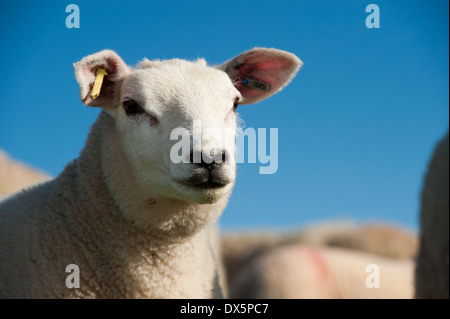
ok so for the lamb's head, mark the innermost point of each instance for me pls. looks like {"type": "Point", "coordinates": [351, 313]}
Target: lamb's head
{"type": "Point", "coordinates": [177, 119]}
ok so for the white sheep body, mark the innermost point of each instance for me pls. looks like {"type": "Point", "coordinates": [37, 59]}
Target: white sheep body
{"type": "Point", "coordinates": [307, 272]}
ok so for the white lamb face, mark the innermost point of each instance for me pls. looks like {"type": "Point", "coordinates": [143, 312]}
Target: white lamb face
{"type": "Point", "coordinates": [160, 98]}
{"type": "Point", "coordinates": [177, 119]}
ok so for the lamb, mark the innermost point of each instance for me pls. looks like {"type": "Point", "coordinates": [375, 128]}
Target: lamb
{"type": "Point", "coordinates": [309, 272]}
{"type": "Point", "coordinates": [432, 269]}
{"type": "Point", "coordinates": [134, 222]}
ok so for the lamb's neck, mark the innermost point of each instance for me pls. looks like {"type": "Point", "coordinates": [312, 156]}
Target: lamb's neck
{"type": "Point", "coordinates": [125, 232]}
{"type": "Point", "coordinates": [106, 176]}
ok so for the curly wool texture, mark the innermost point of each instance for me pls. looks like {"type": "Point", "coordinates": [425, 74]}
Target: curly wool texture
{"type": "Point", "coordinates": [74, 219]}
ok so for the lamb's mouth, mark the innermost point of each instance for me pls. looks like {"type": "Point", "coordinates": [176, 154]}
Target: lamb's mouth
{"type": "Point", "coordinates": [205, 180]}
{"type": "Point", "coordinates": [208, 185]}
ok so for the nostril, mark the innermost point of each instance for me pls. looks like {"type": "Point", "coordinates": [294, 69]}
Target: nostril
{"type": "Point", "coordinates": [207, 162]}
{"type": "Point", "coordinates": [224, 157]}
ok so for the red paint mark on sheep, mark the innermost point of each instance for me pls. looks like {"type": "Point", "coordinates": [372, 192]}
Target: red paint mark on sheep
{"type": "Point", "coordinates": [319, 262]}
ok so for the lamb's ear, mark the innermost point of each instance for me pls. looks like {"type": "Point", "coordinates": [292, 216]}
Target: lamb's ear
{"type": "Point", "coordinates": [259, 72]}
{"type": "Point", "coordinates": [85, 73]}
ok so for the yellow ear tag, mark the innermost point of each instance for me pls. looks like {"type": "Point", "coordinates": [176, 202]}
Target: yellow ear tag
{"type": "Point", "coordinates": [100, 73]}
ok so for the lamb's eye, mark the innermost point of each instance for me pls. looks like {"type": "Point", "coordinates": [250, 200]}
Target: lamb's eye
{"type": "Point", "coordinates": [236, 103]}
{"type": "Point", "coordinates": [131, 107]}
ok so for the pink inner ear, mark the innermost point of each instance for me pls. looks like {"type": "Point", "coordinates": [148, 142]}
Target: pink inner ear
{"type": "Point", "coordinates": [112, 67]}
{"type": "Point", "coordinates": [247, 92]}
{"type": "Point", "coordinates": [273, 65]}
{"type": "Point", "coordinates": [270, 70]}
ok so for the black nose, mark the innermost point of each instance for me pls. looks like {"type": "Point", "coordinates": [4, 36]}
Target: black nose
{"type": "Point", "coordinates": [208, 162]}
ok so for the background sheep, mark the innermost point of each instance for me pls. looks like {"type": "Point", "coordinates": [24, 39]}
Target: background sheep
{"type": "Point", "coordinates": [240, 249]}
{"type": "Point", "coordinates": [301, 271]}
{"type": "Point", "coordinates": [136, 223]}
{"type": "Point", "coordinates": [15, 176]}
{"type": "Point", "coordinates": [432, 263]}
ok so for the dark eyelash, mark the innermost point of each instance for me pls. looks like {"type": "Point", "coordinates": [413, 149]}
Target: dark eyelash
{"type": "Point", "coordinates": [132, 108]}
{"type": "Point", "coordinates": [236, 103]}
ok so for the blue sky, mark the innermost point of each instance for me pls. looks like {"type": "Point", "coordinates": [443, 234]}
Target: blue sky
{"type": "Point", "coordinates": [356, 126]}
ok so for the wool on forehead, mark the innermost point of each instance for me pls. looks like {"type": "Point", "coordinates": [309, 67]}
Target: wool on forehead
{"type": "Point", "coordinates": [177, 77]}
